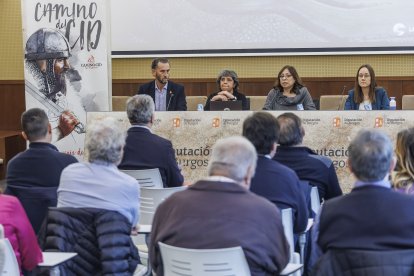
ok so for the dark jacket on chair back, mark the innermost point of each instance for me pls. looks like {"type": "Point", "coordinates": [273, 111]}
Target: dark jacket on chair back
{"type": "Point", "coordinates": [100, 237]}
{"type": "Point", "coordinates": [365, 262]}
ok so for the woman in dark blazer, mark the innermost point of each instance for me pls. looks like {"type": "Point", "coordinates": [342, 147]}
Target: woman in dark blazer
{"type": "Point", "coordinates": [366, 95]}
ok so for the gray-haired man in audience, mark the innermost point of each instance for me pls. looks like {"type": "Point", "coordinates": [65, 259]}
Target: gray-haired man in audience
{"type": "Point", "coordinates": [98, 183]}
{"type": "Point", "coordinates": [145, 150]}
{"type": "Point", "coordinates": [221, 212]}
{"type": "Point", "coordinates": [371, 219]}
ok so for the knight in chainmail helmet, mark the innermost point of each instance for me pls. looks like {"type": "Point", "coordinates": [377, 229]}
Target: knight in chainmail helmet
{"type": "Point", "coordinates": [46, 57]}
{"type": "Point", "coordinates": [47, 53]}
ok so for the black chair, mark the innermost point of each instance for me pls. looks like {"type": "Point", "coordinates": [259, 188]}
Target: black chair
{"type": "Point", "coordinates": [35, 201]}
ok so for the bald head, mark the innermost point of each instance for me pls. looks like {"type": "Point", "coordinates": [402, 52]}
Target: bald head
{"type": "Point", "coordinates": [291, 129]}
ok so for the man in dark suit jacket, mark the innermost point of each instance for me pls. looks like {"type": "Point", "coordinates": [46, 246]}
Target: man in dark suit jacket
{"type": "Point", "coordinates": [373, 216]}
{"type": "Point", "coordinates": [167, 95]}
{"type": "Point", "coordinates": [318, 170]}
{"type": "Point", "coordinates": [145, 150]}
{"type": "Point", "coordinates": [220, 211]}
{"type": "Point", "coordinates": [33, 175]}
{"type": "Point", "coordinates": [272, 180]}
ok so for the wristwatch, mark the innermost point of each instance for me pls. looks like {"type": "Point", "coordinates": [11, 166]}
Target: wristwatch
{"type": "Point", "coordinates": [233, 99]}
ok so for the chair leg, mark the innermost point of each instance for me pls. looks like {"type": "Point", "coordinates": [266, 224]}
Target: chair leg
{"type": "Point", "coordinates": [302, 243]}
{"type": "Point", "coordinates": [149, 269]}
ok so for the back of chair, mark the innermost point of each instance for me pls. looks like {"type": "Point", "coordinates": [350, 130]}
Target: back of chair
{"type": "Point", "coordinates": [408, 102]}
{"type": "Point", "coordinates": [8, 261]}
{"type": "Point", "coordinates": [257, 102]}
{"type": "Point", "coordinates": [119, 103]}
{"type": "Point", "coordinates": [150, 178]}
{"type": "Point", "coordinates": [193, 101]}
{"type": "Point", "coordinates": [332, 102]}
{"type": "Point", "coordinates": [150, 198]}
{"type": "Point", "coordinates": [203, 262]}
{"type": "Point", "coordinates": [287, 221]}
{"type": "Point", "coordinates": [315, 200]}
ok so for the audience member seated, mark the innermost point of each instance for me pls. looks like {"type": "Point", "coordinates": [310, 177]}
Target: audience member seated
{"type": "Point", "coordinates": [366, 95]}
{"type": "Point", "coordinates": [33, 175]}
{"type": "Point", "coordinates": [20, 233]}
{"type": "Point", "coordinates": [318, 170]}
{"type": "Point", "coordinates": [289, 93]}
{"type": "Point", "coordinates": [221, 212]}
{"type": "Point", "coordinates": [98, 183]}
{"type": "Point", "coordinates": [167, 95]}
{"type": "Point", "coordinates": [145, 150]}
{"type": "Point", "coordinates": [373, 217]}
{"type": "Point", "coordinates": [272, 180]}
{"type": "Point", "coordinates": [403, 175]}
{"type": "Point", "coordinates": [228, 86]}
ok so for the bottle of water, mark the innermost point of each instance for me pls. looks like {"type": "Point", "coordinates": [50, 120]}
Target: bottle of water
{"type": "Point", "coordinates": [393, 103]}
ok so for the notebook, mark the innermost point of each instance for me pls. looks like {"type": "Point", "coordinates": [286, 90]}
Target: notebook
{"type": "Point", "coordinates": [225, 105]}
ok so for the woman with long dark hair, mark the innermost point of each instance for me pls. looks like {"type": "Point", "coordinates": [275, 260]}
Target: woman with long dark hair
{"type": "Point", "coordinates": [366, 95]}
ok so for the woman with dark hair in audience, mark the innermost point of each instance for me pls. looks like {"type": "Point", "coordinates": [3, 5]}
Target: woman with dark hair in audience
{"type": "Point", "coordinates": [403, 176]}
{"type": "Point", "coordinates": [19, 232]}
{"type": "Point", "coordinates": [366, 95]}
{"type": "Point", "coordinates": [228, 84]}
{"type": "Point", "coordinates": [289, 93]}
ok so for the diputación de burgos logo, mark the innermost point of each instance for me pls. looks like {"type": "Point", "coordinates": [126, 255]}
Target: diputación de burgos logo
{"type": "Point", "coordinates": [91, 64]}
{"type": "Point", "coordinates": [401, 29]}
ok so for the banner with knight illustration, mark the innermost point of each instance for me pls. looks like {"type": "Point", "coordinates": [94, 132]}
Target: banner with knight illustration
{"type": "Point", "coordinates": [67, 67]}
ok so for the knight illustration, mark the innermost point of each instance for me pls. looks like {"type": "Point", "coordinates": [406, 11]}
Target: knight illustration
{"type": "Point", "coordinates": [46, 54]}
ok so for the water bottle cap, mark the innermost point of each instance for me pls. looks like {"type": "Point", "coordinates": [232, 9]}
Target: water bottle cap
{"type": "Point", "coordinates": [392, 98]}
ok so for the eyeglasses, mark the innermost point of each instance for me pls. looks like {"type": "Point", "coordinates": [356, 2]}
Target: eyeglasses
{"type": "Point", "coordinates": [285, 76]}
{"type": "Point", "coordinates": [364, 76]}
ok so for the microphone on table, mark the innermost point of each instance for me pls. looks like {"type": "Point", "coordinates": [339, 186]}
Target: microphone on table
{"type": "Point", "coordinates": [169, 101]}
{"type": "Point", "coordinates": [340, 99]}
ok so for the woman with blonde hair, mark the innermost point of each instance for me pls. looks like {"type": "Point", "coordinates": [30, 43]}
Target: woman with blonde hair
{"type": "Point", "coordinates": [403, 176]}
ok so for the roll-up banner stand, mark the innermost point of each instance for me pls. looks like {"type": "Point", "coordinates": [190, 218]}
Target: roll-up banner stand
{"type": "Point", "coordinates": [67, 65]}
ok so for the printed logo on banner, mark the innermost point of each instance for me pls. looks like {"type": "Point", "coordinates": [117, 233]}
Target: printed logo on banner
{"type": "Point", "coordinates": [156, 122]}
{"type": "Point", "coordinates": [91, 64]}
{"type": "Point", "coordinates": [337, 122]}
{"type": "Point", "coordinates": [176, 122]}
{"type": "Point", "coordinates": [216, 122]}
{"type": "Point", "coordinates": [379, 122]}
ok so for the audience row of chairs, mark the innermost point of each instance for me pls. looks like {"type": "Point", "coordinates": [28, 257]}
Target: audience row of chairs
{"type": "Point", "coordinates": [152, 194]}
{"type": "Point", "coordinates": [326, 102]}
